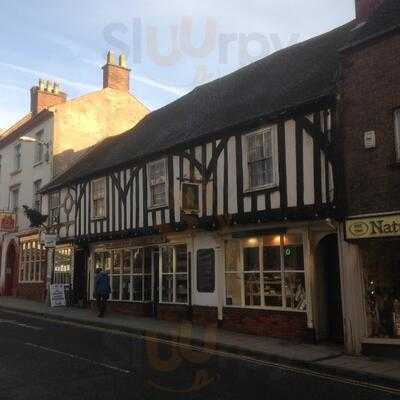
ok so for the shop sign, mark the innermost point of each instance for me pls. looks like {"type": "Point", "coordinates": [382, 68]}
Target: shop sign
{"type": "Point", "coordinates": [7, 221]}
{"type": "Point", "coordinates": [49, 240]}
{"type": "Point", "coordinates": [374, 227]}
{"type": "Point", "coordinates": [57, 295]}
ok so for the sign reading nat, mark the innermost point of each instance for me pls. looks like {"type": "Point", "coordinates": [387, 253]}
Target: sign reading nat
{"type": "Point", "coordinates": [375, 227]}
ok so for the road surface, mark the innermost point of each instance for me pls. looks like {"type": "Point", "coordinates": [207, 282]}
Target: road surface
{"type": "Point", "coordinates": [43, 359]}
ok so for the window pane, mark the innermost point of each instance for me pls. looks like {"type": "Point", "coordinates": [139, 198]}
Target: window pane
{"type": "Point", "coordinates": [126, 262]}
{"type": "Point", "coordinates": [181, 288]}
{"type": "Point", "coordinates": [138, 288]}
{"type": "Point", "coordinates": [251, 259]}
{"type": "Point", "coordinates": [167, 259]}
{"type": "Point", "coordinates": [252, 289]}
{"type": "Point", "coordinates": [147, 288]}
{"type": "Point", "coordinates": [233, 290]}
{"type": "Point", "coordinates": [138, 261]}
{"type": "Point", "coordinates": [167, 288]}
{"type": "Point", "coordinates": [272, 258]}
{"type": "Point", "coordinates": [295, 291]}
{"type": "Point", "coordinates": [273, 289]}
{"type": "Point", "coordinates": [148, 260]}
{"type": "Point", "coordinates": [126, 287]}
{"type": "Point", "coordinates": [293, 253]}
{"type": "Point", "coordinates": [117, 262]}
{"type": "Point", "coordinates": [181, 258]}
{"type": "Point", "coordinates": [232, 256]}
{"type": "Point", "coordinates": [115, 287]}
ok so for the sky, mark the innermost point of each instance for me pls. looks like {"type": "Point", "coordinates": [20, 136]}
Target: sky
{"type": "Point", "coordinates": [171, 46]}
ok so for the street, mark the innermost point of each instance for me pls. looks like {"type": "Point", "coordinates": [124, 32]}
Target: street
{"type": "Point", "coordinates": [42, 359]}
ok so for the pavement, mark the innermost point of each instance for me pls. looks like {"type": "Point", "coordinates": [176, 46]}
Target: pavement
{"type": "Point", "coordinates": [325, 359]}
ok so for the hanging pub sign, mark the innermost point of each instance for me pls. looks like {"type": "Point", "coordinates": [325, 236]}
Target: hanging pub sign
{"type": "Point", "coordinates": [373, 227]}
{"type": "Point", "coordinates": [7, 221]}
{"type": "Point", "coordinates": [49, 240]}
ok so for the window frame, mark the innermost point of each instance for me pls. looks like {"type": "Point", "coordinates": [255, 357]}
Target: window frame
{"type": "Point", "coordinates": [14, 189]}
{"type": "Point", "coordinates": [396, 117]}
{"type": "Point", "coordinates": [94, 199]}
{"type": "Point", "coordinates": [174, 274]}
{"type": "Point", "coordinates": [54, 210]}
{"type": "Point", "coordinates": [30, 264]}
{"type": "Point", "coordinates": [119, 275]}
{"type": "Point", "coordinates": [17, 157]}
{"type": "Point", "coordinates": [37, 197]}
{"type": "Point", "coordinates": [283, 271]}
{"type": "Point", "coordinates": [150, 185]}
{"type": "Point", "coordinates": [38, 156]}
{"type": "Point", "coordinates": [272, 131]}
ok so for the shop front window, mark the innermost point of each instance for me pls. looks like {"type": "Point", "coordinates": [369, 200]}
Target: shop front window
{"type": "Point", "coordinates": [266, 272]}
{"type": "Point", "coordinates": [130, 272]}
{"type": "Point", "coordinates": [33, 262]}
{"type": "Point", "coordinates": [174, 275]}
{"type": "Point", "coordinates": [381, 268]}
{"type": "Point", "coordinates": [62, 265]}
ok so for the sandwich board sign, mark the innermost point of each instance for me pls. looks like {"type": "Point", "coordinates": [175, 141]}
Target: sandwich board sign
{"type": "Point", "coordinates": [57, 295]}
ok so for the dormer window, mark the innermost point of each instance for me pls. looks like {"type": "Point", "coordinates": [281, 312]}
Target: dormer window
{"type": "Point", "coordinates": [157, 183]}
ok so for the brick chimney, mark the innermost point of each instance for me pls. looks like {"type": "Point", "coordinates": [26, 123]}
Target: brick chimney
{"type": "Point", "coordinates": [46, 95]}
{"type": "Point", "coordinates": [116, 76]}
{"type": "Point", "coordinates": [365, 8]}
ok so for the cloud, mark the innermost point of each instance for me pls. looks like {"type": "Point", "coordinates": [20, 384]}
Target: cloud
{"type": "Point", "coordinates": [45, 75]}
{"type": "Point", "coordinates": [12, 87]}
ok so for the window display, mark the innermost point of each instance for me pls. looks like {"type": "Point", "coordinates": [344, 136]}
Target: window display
{"type": "Point", "coordinates": [33, 262]}
{"type": "Point", "coordinates": [62, 265]}
{"type": "Point", "coordinates": [266, 272]}
{"type": "Point", "coordinates": [381, 268]}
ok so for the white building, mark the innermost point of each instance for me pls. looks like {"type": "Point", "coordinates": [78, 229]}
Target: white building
{"type": "Point", "coordinates": [44, 143]}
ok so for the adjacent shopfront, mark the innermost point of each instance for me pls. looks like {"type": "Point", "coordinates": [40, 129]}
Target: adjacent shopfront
{"type": "Point", "coordinates": [378, 242]}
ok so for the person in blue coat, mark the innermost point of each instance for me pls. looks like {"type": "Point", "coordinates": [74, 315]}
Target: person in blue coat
{"type": "Point", "coordinates": [102, 291]}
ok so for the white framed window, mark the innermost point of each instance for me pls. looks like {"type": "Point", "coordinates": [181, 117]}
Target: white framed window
{"type": "Point", "coordinates": [14, 194]}
{"type": "Point", "coordinates": [17, 157]}
{"type": "Point", "coordinates": [397, 133]}
{"type": "Point", "coordinates": [33, 262]}
{"type": "Point", "coordinates": [99, 198]}
{"type": "Point", "coordinates": [130, 273]}
{"type": "Point", "coordinates": [261, 159]}
{"type": "Point", "coordinates": [266, 272]}
{"type": "Point", "coordinates": [157, 183]}
{"type": "Point", "coordinates": [54, 208]}
{"type": "Point", "coordinates": [39, 148]}
{"type": "Point", "coordinates": [174, 275]}
{"type": "Point", "coordinates": [37, 198]}
{"type": "Point", "coordinates": [63, 262]}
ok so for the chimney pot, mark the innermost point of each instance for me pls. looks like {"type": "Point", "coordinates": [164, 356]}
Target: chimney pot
{"type": "Point", "coordinates": [122, 60]}
{"type": "Point", "coordinates": [110, 57]}
{"type": "Point", "coordinates": [49, 86]}
{"type": "Point", "coordinates": [41, 85]}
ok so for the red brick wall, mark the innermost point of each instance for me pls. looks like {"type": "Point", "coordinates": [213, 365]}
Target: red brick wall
{"type": "Point", "coordinates": [32, 291]}
{"type": "Point", "coordinates": [205, 316]}
{"type": "Point", "coordinates": [116, 77]}
{"type": "Point", "coordinates": [173, 312]}
{"type": "Point", "coordinates": [279, 324]}
{"type": "Point", "coordinates": [370, 91]}
{"type": "Point", "coordinates": [365, 8]}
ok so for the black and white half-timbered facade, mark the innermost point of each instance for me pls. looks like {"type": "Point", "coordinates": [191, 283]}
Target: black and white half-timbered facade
{"type": "Point", "coordinates": [220, 207]}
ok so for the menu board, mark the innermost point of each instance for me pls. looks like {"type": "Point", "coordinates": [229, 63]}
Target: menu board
{"type": "Point", "coordinates": [206, 271]}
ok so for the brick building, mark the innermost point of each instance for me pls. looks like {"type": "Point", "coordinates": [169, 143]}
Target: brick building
{"type": "Point", "coordinates": [370, 120]}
